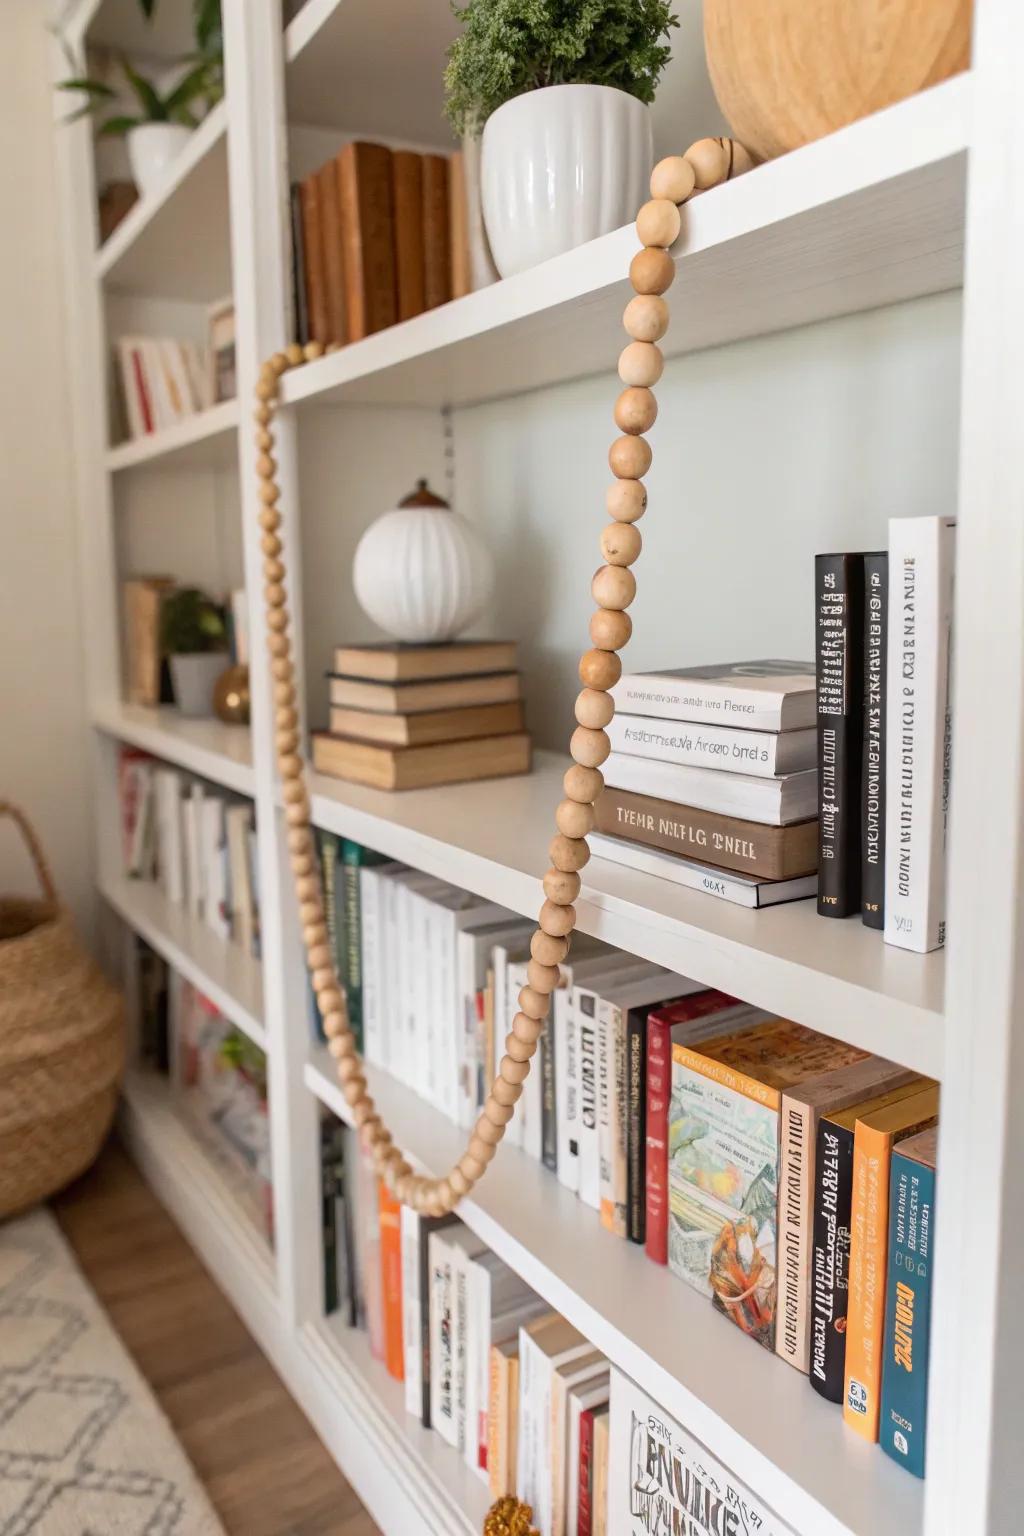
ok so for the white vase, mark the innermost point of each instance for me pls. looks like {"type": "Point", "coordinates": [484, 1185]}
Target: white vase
{"type": "Point", "coordinates": [561, 166]}
{"type": "Point", "coordinates": [152, 147]}
{"type": "Point", "coordinates": [421, 571]}
{"type": "Point", "coordinates": [194, 677]}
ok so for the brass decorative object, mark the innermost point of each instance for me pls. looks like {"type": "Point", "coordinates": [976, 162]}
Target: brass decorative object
{"type": "Point", "coordinates": [231, 696]}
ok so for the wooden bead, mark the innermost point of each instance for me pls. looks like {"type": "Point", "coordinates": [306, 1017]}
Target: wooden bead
{"type": "Point", "coordinates": [568, 854]}
{"type": "Point", "coordinates": [480, 1148]}
{"type": "Point", "coordinates": [286, 742]}
{"type": "Point", "coordinates": [266, 388]}
{"type": "Point", "coordinates": [292, 792]}
{"type": "Point", "coordinates": [286, 717]}
{"type": "Point", "coordinates": [522, 1051]}
{"type": "Point", "coordinates": [562, 886]}
{"type": "Point", "coordinates": [621, 543]}
{"type": "Point", "coordinates": [270, 519]}
{"type": "Point", "coordinates": [506, 1093]}
{"type": "Point", "coordinates": [652, 271]}
{"type": "Point", "coordinates": [265, 466]}
{"type": "Point", "coordinates": [514, 1071]}
{"type": "Point", "coordinates": [613, 587]}
{"type": "Point", "coordinates": [277, 619]}
{"type": "Point", "coordinates": [273, 570]}
{"type": "Point", "coordinates": [673, 178]}
{"type": "Point", "coordinates": [527, 1029]}
{"type": "Point", "coordinates": [289, 766]}
{"type": "Point", "coordinates": [353, 1090]}
{"type": "Point", "coordinates": [268, 493]}
{"type": "Point", "coordinates": [363, 1112]}
{"type": "Point", "coordinates": [315, 933]}
{"type": "Point", "coordinates": [626, 500]}
{"type": "Point", "coordinates": [487, 1131]}
{"type": "Point", "coordinates": [282, 669]}
{"type": "Point", "coordinates": [574, 819]}
{"type": "Point", "coordinates": [270, 544]}
{"type": "Point", "coordinates": [274, 594]}
{"type": "Point", "coordinates": [318, 956]}
{"type": "Point", "coordinates": [284, 695]}
{"type": "Point", "coordinates": [610, 629]}
{"type": "Point", "coordinates": [310, 914]}
{"type": "Point", "coordinates": [472, 1167]}
{"type": "Point", "coordinates": [629, 458]}
{"type": "Point", "coordinates": [543, 978]}
{"type": "Point", "coordinates": [598, 668]}
{"type": "Point", "coordinates": [558, 921]}
{"type": "Point", "coordinates": [658, 222]}
{"type": "Point", "coordinates": [646, 317]}
{"type": "Point", "coordinates": [279, 363]}
{"type": "Point", "coordinates": [321, 979]}
{"type": "Point", "coordinates": [709, 159]}
{"type": "Point", "coordinates": [459, 1183]}
{"type": "Point", "coordinates": [498, 1114]}
{"type": "Point", "coordinates": [312, 350]}
{"type": "Point", "coordinates": [594, 708]}
{"type": "Point", "coordinates": [741, 160]}
{"type": "Point", "coordinates": [533, 1003]}
{"type": "Point", "coordinates": [302, 864]}
{"type": "Point", "coordinates": [294, 353]}
{"type": "Point", "coordinates": [590, 748]}
{"type": "Point", "coordinates": [263, 439]}
{"type": "Point", "coordinates": [583, 784]}
{"type": "Point", "coordinates": [548, 950]}
{"type": "Point", "coordinates": [641, 363]}
{"type": "Point", "coordinates": [262, 415]}
{"type": "Point", "coordinates": [636, 411]}
{"type": "Point", "coordinates": [330, 1000]}
{"type": "Point", "coordinates": [335, 1024]}
{"type": "Point", "coordinates": [300, 842]}
{"type": "Point", "coordinates": [347, 1068]}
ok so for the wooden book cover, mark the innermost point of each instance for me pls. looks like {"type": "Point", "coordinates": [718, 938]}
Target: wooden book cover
{"type": "Point", "coordinates": [753, 847]}
{"type": "Point", "coordinates": [458, 226]}
{"type": "Point", "coordinates": [410, 272]}
{"type": "Point", "coordinates": [414, 698]}
{"type": "Point", "coordinates": [874, 1139]}
{"type": "Point", "coordinates": [488, 757]}
{"type": "Point", "coordinates": [436, 236]}
{"type": "Point", "coordinates": [368, 224]}
{"type": "Point", "coordinates": [432, 726]}
{"type": "Point", "coordinates": [391, 1282]}
{"type": "Point", "coordinates": [333, 260]}
{"type": "Point", "coordinates": [390, 663]}
{"type": "Point", "coordinates": [313, 255]}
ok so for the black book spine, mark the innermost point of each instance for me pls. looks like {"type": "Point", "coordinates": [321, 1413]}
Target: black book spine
{"type": "Point", "coordinates": [830, 1258]}
{"type": "Point", "coordinates": [876, 639]}
{"type": "Point", "coordinates": [636, 1125]}
{"type": "Point", "coordinates": [549, 1111]}
{"type": "Point", "coordinates": [839, 585]}
{"type": "Point", "coordinates": [299, 300]}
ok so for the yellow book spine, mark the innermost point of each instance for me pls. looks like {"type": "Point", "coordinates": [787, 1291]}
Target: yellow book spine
{"type": "Point", "coordinates": [726, 1076]}
{"type": "Point", "coordinates": [869, 1235]}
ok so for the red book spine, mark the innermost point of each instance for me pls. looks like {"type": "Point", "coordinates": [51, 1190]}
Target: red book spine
{"type": "Point", "coordinates": [140, 383]}
{"type": "Point", "coordinates": [584, 1505]}
{"type": "Point", "coordinates": [659, 1090]}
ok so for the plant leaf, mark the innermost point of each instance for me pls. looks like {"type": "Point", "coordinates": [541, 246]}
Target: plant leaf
{"type": "Point", "coordinates": [188, 89]}
{"type": "Point", "coordinates": [116, 127]}
{"type": "Point", "coordinates": [153, 109]}
{"type": "Point", "coordinates": [90, 87]}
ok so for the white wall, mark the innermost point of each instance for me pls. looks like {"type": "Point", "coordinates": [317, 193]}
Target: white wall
{"type": "Point", "coordinates": [43, 736]}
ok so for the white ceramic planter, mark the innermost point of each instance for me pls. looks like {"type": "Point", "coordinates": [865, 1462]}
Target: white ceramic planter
{"type": "Point", "coordinates": [194, 677]}
{"type": "Point", "coordinates": [561, 166]}
{"type": "Point", "coordinates": [152, 147]}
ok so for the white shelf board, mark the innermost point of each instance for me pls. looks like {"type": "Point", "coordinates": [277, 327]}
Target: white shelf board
{"type": "Point", "coordinates": [206, 440]}
{"type": "Point", "coordinates": [869, 216]}
{"type": "Point", "coordinates": [747, 1406]}
{"type": "Point", "coordinates": [223, 972]}
{"type": "Point", "coordinates": [344, 71]}
{"type": "Point", "coordinates": [209, 748]}
{"type": "Point", "coordinates": [492, 838]}
{"type": "Point", "coordinates": [174, 243]}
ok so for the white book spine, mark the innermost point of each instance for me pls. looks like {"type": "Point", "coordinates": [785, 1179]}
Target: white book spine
{"type": "Point", "coordinates": [613, 1126]}
{"type": "Point", "coordinates": [135, 422]}
{"type": "Point", "coordinates": [502, 1024]}
{"type": "Point", "coordinates": [390, 972]}
{"type": "Point", "coordinates": [369, 899]}
{"type": "Point", "coordinates": [763, 754]}
{"type": "Point", "coordinates": [533, 1461]}
{"type": "Point", "coordinates": [706, 703]}
{"type": "Point", "coordinates": [478, 1347]}
{"type": "Point", "coordinates": [442, 1356]}
{"type": "Point", "coordinates": [774, 802]}
{"type": "Point", "coordinates": [604, 1110]}
{"type": "Point", "coordinates": [466, 1020]}
{"type": "Point", "coordinates": [918, 724]}
{"type": "Point", "coordinates": [448, 1049]}
{"type": "Point", "coordinates": [585, 1010]}
{"type": "Point", "coordinates": [566, 1042]}
{"type": "Point", "coordinates": [530, 1111]}
{"type": "Point", "coordinates": [412, 1317]}
{"type": "Point", "coordinates": [461, 1266]}
{"type": "Point", "coordinates": [405, 1062]}
{"type": "Point", "coordinates": [421, 986]}
{"type": "Point", "coordinates": [196, 799]}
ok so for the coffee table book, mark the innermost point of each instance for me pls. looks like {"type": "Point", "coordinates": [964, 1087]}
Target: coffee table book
{"type": "Point", "coordinates": [449, 762]}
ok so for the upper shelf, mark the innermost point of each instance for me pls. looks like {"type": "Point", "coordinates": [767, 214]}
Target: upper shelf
{"type": "Point", "coordinates": [206, 440]}
{"type": "Point", "coordinates": [835, 976]}
{"type": "Point", "coordinates": [869, 216]}
{"type": "Point", "coordinates": [174, 243]}
{"type": "Point", "coordinates": [209, 748]}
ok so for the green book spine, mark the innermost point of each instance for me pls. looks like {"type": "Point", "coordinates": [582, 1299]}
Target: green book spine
{"type": "Point", "coordinates": [908, 1309]}
{"type": "Point", "coordinates": [353, 857]}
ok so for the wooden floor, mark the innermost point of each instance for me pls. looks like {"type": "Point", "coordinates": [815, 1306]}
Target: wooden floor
{"type": "Point", "coordinates": [263, 1467]}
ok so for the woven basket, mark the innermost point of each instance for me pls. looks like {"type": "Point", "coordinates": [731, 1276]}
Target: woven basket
{"type": "Point", "coordinates": [61, 1044]}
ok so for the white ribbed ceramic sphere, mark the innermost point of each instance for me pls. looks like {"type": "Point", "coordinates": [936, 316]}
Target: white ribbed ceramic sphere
{"type": "Point", "coordinates": [421, 571]}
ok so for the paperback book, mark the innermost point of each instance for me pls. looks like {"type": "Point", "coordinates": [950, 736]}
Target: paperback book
{"type": "Point", "coordinates": [757, 695]}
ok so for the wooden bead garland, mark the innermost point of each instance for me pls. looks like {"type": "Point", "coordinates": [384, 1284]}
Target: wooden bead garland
{"type": "Point", "coordinates": [613, 587]}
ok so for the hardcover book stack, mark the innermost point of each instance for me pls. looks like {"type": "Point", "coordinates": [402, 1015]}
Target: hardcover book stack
{"type": "Point", "coordinates": [711, 780]}
{"type": "Point", "coordinates": [885, 731]}
{"type": "Point", "coordinates": [411, 716]}
{"type": "Point", "coordinates": [381, 235]}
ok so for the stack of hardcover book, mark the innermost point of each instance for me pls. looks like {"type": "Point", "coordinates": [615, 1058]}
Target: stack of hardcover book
{"type": "Point", "coordinates": [410, 716]}
{"type": "Point", "coordinates": [711, 781]}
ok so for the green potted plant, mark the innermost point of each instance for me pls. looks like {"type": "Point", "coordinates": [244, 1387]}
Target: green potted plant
{"type": "Point", "coordinates": [193, 637]}
{"type": "Point", "coordinates": [560, 91]}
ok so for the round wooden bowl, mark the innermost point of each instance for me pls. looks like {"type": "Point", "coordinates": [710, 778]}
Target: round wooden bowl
{"type": "Point", "coordinates": [789, 71]}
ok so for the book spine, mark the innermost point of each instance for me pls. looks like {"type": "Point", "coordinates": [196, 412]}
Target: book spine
{"type": "Point", "coordinates": [367, 216]}
{"type": "Point", "coordinates": [839, 587]}
{"type": "Point", "coordinates": [728, 842]}
{"type": "Point", "coordinates": [331, 233]}
{"type": "Point", "coordinates": [442, 1341]}
{"type": "Point", "coordinates": [908, 1313]}
{"type": "Point", "coordinates": [869, 1223]}
{"type": "Point", "coordinates": [353, 856]}
{"type": "Point", "coordinates": [918, 730]}
{"type": "Point", "coordinates": [369, 910]}
{"type": "Point", "coordinates": [585, 1008]}
{"type": "Point", "coordinates": [437, 282]}
{"type": "Point", "coordinates": [300, 308]}
{"type": "Point", "coordinates": [566, 1037]}
{"type": "Point", "coordinates": [584, 1513]}
{"type": "Point", "coordinates": [876, 627]}
{"type": "Point", "coordinates": [605, 1074]}
{"type": "Point", "coordinates": [328, 1179]}
{"type": "Point", "coordinates": [412, 1342]}
{"type": "Point", "coordinates": [497, 1426]}
{"type": "Point", "coordinates": [313, 252]}
{"type": "Point", "coordinates": [636, 1127]}
{"type": "Point", "coordinates": [705, 746]}
{"type": "Point", "coordinates": [142, 386]}
{"type": "Point", "coordinates": [659, 1092]}
{"type": "Point", "coordinates": [796, 1206]}
{"type": "Point", "coordinates": [833, 1180]}
{"type": "Point", "coordinates": [391, 1282]}
{"type": "Point", "coordinates": [407, 178]}
{"type": "Point", "coordinates": [458, 227]}
{"type": "Point", "coordinates": [549, 1111]}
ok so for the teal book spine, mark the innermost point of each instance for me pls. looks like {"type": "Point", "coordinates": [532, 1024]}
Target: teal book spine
{"type": "Point", "coordinates": [350, 924]}
{"type": "Point", "coordinates": [328, 848]}
{"type": "Point", "coordinates": [908, 1307]}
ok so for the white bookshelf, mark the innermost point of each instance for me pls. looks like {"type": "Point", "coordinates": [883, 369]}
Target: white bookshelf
{"type": "Point", "coordinates": [922, 199]}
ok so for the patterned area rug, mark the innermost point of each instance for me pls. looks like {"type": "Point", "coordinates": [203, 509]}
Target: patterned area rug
{"type": "Point", "coordinates": [84, 1448]}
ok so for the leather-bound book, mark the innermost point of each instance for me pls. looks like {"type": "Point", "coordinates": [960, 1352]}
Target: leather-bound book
{"type": "Point", "coordinates": [368, 238]}
{"type": "Point", "coordinates": [407, 182]}
{"type": "Point", "coordinates": [436, 236]}
{"type": "Point", "coordinates": [331, 231]}
{"type": "Point", "coordinates": [313, 256]}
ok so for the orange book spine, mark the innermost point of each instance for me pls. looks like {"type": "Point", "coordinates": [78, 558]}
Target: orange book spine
{"type": "Point", "coordinates": [869, 1233]}
{"type": "Point", "coordinates": [368, 238]}
{"type": "Point", "coordinates": [458, 226]}
{"type": "Point", "coordinates": [407, 179]}
{"type": "Point", "coordinates": [391, 1283]}
{"type": "Point", "coordinates": [330, 230]}
{"type": "Point", "coordinates": [436, 235]}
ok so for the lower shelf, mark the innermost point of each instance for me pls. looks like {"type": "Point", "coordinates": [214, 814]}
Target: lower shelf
{"type": "Point", "coordinates": [409, 1480]}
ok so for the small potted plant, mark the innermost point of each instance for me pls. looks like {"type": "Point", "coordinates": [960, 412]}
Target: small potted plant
{"type": "Point", "coordinates": [560, 92]}
{"type": "Point", "coordinates": [194, 639]}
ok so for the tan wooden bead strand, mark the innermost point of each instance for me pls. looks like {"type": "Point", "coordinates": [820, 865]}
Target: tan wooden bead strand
{"type": "Point", "coordinates": [613, 587]}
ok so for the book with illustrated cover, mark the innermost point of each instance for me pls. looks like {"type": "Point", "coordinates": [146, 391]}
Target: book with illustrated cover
{"type": "Point", "coordinates": [724, 1162]}
{"type": "Point", "coordinates": [661, 1480]}
{"type": "Point", "coordinates": [909, 1302]}
{"type": "Point", "coordinates": [757, 695]}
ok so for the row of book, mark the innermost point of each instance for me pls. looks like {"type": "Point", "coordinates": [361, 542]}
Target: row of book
{"type": "Point", "coordinates": [885, 730]}
{"type": "Point", "coordinates": [163, 380]}
{"type": "Point", "coordinates": [527, 1401]}
{"type": "Point", "coordinates": [381, 235]}
{"type": "Point", "coordinates": [197, 843]}
{"type": "Point", "coordinates": [711, 780]}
